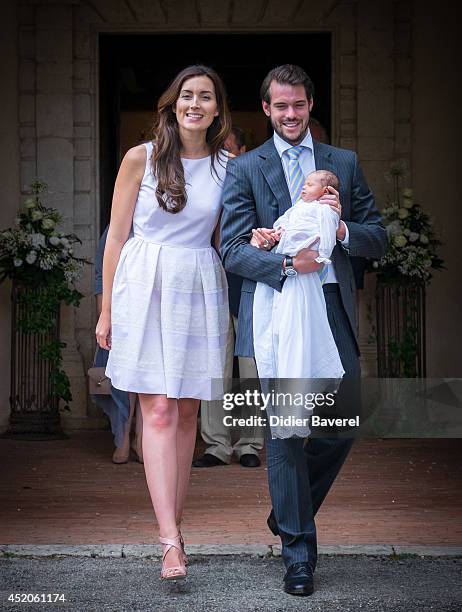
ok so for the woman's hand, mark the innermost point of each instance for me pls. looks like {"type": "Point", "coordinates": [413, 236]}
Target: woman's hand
{"type": "Point", "coordinates": [103, 331]}
{"type": "Point", "coordinates": [265, 239]}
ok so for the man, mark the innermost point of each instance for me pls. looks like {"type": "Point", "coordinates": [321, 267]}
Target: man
{"type": "Point", "coordinates": [214, 432]}
{"type": "Point", "coordinates": [235, 143]}
{"type": "Point", "coordinates": [259, 187]}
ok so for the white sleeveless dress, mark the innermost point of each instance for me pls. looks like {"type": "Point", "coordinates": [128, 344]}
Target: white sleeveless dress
{"type": "Point", "coordinates": [170, 299]}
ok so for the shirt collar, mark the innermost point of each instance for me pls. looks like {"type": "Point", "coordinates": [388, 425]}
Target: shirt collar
{"type": "Point", "coordinates": [282, 146]}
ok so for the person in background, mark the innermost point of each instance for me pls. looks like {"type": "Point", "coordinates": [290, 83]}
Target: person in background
{"type": "Point", "coordinates": [235, 143]}
{"type": "Point", "coordinates": [318, 131]}
{"type": "Point", "coordinates": [215, 434]}
{"type": "Point", "coordinates": [120, 406]}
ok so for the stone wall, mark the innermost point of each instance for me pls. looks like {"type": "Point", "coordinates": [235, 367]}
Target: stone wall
{"type": "Point", "coordinates": [436, 100]}
{"type": "Point", "coordinates": [9, 178]}
{"type": "Point", "coordinates": [58, 138]}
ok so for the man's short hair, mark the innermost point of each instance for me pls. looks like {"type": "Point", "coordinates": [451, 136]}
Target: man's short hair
{"type": "Point", "coordinates": [239, 135]}
{"type": "Point", "coordinates": [327, 178]}
{"type": "Point", "coordinates": [287, 74]}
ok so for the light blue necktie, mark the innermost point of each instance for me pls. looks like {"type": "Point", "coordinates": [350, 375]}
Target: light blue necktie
{"type": "Point", "coordinates": [296, 180]}
{"type": "Point", "coordinates": [296, 177]}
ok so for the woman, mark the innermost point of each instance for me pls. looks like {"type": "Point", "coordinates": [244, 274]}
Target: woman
{"type": "Point", "coordinates": [165, 307]}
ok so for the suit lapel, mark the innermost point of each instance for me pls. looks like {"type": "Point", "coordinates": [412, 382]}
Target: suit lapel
{"type": "Point", "coordinates": [271, 167]}
{"type": "Point", "coordinates": [322, 157]}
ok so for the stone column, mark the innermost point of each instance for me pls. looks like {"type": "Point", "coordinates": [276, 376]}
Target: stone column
{"type": "Point", "coordinates": [86, 188]}
{"type": "Point", "coordinates": [345, 83]}
{"type": "Point", "coordinates": [403, 82]}
{"type": "Point", "coordinates": [9, 179]}
{"type": "Point", "coordinates": [54, 126]}
{"type": "Point", "coordinates": [375, 129]}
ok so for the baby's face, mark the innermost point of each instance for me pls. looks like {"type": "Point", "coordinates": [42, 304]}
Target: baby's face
{"type": "Point", "coordinates": [312, 189]}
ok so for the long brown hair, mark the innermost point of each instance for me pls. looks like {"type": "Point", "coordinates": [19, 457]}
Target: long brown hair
{"type": "Point", "coordinates": [166, 160]}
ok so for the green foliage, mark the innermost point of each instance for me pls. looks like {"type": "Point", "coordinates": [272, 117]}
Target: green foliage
{"type": "Point", "coordinates": [58, 377]}
{"type": "Point", "coordinates": [403, 353]}
{"type": "Point", "coordinates": [372, 338]}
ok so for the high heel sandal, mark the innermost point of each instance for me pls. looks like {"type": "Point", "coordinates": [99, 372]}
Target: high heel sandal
{"type": "Point", "coordinates": [185, 557]}
{"type": "Point", "coordinates": [178, 572]}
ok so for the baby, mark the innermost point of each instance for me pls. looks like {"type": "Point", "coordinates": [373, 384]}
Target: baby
{"type": "Point", "coordinates": [317, 183]}
{"type": "Point", "coordinates": [292, 336]}
{"type": "Point", "coordinates": [301, 218]}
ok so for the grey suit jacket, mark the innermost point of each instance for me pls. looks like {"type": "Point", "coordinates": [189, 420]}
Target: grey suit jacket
{"type": "Point", "coordinates": [255, 194]}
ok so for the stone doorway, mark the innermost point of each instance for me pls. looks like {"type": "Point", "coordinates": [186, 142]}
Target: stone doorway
{"type": "Point", "coordinates": [135, 69]}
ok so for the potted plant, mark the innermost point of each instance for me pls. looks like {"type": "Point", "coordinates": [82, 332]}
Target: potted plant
{"type": "Point", "coordinates": [40, 261]}
{"type": "Point", "coordinates": [402, 275]}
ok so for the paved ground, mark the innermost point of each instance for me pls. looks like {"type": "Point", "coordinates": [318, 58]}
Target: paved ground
{"type": "Point", "coordinates": [231, 584]}
{"type": "Point", "coordinates": [390, 492]}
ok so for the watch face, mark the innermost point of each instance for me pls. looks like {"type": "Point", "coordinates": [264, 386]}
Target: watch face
{"type": "Point", "coordinates": [291, 272]}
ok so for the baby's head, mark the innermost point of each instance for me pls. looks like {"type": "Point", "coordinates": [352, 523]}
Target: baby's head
{"type": "Point", "coordinates": [316, 185]}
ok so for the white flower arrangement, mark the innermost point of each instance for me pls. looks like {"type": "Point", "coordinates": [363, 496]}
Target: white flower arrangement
{"type": "Point", "coordinates": [34, 246]}
{"type": "Point", "coordinates": [40, 260]}
{"type": "Point", "coordinates": [413, 242]}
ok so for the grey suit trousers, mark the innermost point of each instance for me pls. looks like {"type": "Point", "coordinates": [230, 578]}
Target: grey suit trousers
{"type": "Point", "coordinates": [300, 474]}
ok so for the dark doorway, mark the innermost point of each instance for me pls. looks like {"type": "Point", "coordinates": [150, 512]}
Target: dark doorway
{"type": "Point", "coordinates": [135, 69]}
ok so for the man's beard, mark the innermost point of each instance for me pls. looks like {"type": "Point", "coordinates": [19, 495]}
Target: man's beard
{"type": "Point", "coordinates": [281, 134]}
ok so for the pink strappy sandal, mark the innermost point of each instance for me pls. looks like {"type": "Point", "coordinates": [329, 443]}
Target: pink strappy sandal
{"type": "Point", "coordinates": [179, 571]}
{"type": "Point", "coordinates": [185, 558]}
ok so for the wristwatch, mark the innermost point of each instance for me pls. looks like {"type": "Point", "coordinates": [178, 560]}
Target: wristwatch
{"type": "Point", "coordinates": [289, 269]}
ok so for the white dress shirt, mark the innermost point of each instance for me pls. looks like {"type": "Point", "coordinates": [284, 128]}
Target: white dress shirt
{"type": "Point", "coordinates": [307, 164]}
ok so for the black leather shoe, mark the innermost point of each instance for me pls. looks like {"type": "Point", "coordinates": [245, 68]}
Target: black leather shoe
{"type": "Point", "coordinates": [250, 460]}
{"type": "Point", "coordinates": [299, 579]}
{"type": "Point", "coordinates": [272, 525]}
{"type": "Point", "coordinates": [208, 460]}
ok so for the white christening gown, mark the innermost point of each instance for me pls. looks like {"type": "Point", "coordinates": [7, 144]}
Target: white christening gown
{"type": "Point", "coordinates": [170, 300]}
{"type": "Point", "coordinates": [292, 336]}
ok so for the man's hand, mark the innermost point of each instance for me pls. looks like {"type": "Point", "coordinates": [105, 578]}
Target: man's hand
{"type": "Point", "coordinates": [341, 231]}
{"type": "Point", "coordinates": [264, 238]}
{"type": "Point", "coordinates": [304, 261]}
{"type": "Point", "coordinates": [332, 199]}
